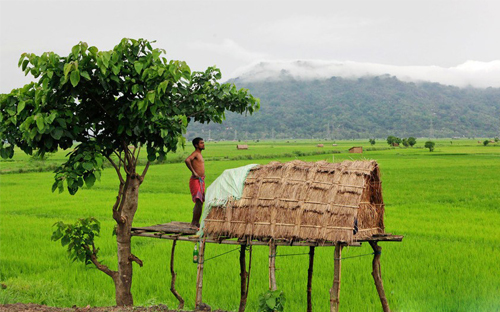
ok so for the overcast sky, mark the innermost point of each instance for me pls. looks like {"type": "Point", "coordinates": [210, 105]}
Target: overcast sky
{"type": "Point", "coordinates": [405, 35]}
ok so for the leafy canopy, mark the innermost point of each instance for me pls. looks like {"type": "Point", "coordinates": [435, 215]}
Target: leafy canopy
{"type": "Point", "coordinates": [107, 101]}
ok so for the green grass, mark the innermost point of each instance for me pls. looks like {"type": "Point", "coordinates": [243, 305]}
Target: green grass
{"type": "Point", "coordinates": [446, 203]}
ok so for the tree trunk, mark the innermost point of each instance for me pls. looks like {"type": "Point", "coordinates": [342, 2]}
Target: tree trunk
{"type": "Point", "coordinates": [123, 280]}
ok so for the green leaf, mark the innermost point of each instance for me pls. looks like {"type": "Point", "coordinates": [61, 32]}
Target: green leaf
{"type": "Point", "coordinates": [143, 105]}
{"type": "Point", "coordinates": [21, 106]}
{"type": "Point", "coordinates": [138, 67]}
{"type": "Point", "coordinates": [88, 166]}
{"type": "Point", "coordinates": [39, 122]}
{"type": "Point", "coordinates": [75, 78]}
{"type": "Point", "coordinates": [85, 75]}
{"type": "Point", "coordinates": [57, 133]}
{"type": "Point", "coordinates": [93, 50]}
{"type": "Point", "coordinates": [65, 240]}
{"type": "Point", "coordinates": [54, 187]}
{"type": "Point", "coordinates": [151, 157]}
{"type": "Point", "coordinates": [135, 89]}
{"type": "Point", "coordinates": [25, 64]}
{"type": "Point", "coordinates": [271, 302]}
{"type": "Point", "coordinates": [151, 96]}
{"type": "Point", "coordinates": [115, 70]}
{"type": "Point", "coordinates": [106, 56]}
{"type": "Point", "coordinates": [67, 68]}
{"type": "Point", "coordinates": [76, 50]}
{"type": "Point", "coordinates": [90, 180]}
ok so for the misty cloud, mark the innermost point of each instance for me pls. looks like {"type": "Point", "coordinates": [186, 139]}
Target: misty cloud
{"type": "Point", "coordinates": [471, 73]}
{"type": "Point", "coordinates": [229, 48]}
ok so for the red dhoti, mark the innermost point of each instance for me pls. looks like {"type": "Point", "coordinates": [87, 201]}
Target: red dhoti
{"type": "Point", "coordinates": [197, 188]}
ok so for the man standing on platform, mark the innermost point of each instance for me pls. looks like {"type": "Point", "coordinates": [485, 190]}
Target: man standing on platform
{"type": "Point", "coordinates": [196, 165]}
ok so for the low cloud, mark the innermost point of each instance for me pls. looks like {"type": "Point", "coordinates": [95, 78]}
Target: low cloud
{"type": "Point", "coordinates": [471, 73]}
{"type": "Point", "coordinates": [228, 48]}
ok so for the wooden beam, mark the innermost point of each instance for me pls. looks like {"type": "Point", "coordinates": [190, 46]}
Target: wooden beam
{"type": "Point", "coordinates": [174, 275]}
{"type": "Point", "coordinates": [309, 279]}
{"type": "Point", "coordinates": [377, 276]}
{"type": "Point", "coordinates": [335, 290]}
{"type": "Point", "coordinates": [199, 275]}
{"type": "Point", "coordinates": [393, 238]}
{"type": "Point", "coordinates": [172, 227]}
{"type": "Point", "coordinates": [272, 266]}
{"type": "Point", "coordinates": [243, 276]}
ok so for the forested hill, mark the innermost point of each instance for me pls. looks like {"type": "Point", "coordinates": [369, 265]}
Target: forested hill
{"type": "Point", "coordinates": [338, 108]}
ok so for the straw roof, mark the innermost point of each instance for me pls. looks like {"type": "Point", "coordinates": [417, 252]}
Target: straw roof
{"type": "Point", "coordinates": [304, 201]}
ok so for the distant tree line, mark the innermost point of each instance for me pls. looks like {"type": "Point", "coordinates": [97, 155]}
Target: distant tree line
{"type": "Point", "coordinates": [373, 107]}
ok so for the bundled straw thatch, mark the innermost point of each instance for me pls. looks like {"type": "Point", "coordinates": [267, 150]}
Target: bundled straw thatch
{"type": "Point", "coordinates": [304, 201]}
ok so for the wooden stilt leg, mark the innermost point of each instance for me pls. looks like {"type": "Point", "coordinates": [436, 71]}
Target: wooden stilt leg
{"type": "Point", "coordinates": [377, 276]}
{"type": "Point", "coordinates": [335, 290]}
{"type": "Point", "coordinates": [174, 275]}
{"type": "Point", "coordinates": [243, 275]}
{"type": "Point", "coordinates": [199, 275]}
{"type": "Point", "coordinates": [272, 266]}
{"type": "Point", "coordinates": [249, 267]}
{"type": "Point", "coordinates": [309, 278]}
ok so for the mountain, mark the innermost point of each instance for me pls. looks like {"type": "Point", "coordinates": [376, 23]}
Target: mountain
{"type": "Point", "coordinates": [370, 106]}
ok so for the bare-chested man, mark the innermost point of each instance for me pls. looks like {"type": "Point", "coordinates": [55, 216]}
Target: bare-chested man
{"type": "Point", "coordinates": [196, 164]}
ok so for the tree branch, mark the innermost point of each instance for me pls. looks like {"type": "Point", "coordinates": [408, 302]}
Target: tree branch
{"type": "Point", "coordinates": [131, 257]}
{"type": "Point", "coordinates": [137, 156]}
{"type": "Point", "coordinates": [124, 198]}
{"type": "Point", "coordinates": [122, 161]}
{"type": "Point", "coordinates": [144, 172]}
{"type": "Point", "coordinates": [117, 169]}
{"type": "Point", "coordinates": [100, 266]}
{"type": "Point", "coordinates": [127, 156]}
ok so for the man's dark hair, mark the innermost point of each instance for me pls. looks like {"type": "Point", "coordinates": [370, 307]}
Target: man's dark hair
{"type": "Point", "coordinates": [196, 141]}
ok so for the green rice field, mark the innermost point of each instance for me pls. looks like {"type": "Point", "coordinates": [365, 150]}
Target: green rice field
{"type": "Point", "coordinates": [446, 204]}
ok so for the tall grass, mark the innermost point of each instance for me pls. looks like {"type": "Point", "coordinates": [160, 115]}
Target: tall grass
{"type": "Point", "coordinates": [446, 203]}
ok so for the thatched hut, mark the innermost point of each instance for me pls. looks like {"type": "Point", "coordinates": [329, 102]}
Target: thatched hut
{"type": "Point", "coordinates": [356, 150]}
{"type": "Point", "coordinates": [304, 201]}
{"type": "Point", "coordinates": [242, 146]}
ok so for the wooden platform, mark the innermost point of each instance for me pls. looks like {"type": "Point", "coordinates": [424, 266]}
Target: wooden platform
{"type": "Point", "coordinates": [183, 231]}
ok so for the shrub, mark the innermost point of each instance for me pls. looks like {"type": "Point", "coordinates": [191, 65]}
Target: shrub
{"type": "Point", "coordinates": [271, 301]}
{"type": "Point", "coordinates": [430, 145]}
{"type": "Point", "coordinates": [486, 142]}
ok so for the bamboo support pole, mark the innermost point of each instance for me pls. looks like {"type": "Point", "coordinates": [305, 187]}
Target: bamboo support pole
{"type": "Point", "coordinates": [243, 275]}
{"type": "Point", "coordinates": [249, 267]}
{"type": "Point", "coordinates": [309, 279]}
{"type": "Point", "coordinates": [377, 276]}
{"type": "Point", "coordinates": [335, 290]}
{"type": "Point", "coordinates": [199, 275]}
{"type": "Point", "coordinates": [272, 265]}
{"type": "Point", "coordinates": [174, 275]}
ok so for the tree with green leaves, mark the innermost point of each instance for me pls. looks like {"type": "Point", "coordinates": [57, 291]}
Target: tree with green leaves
{"type": "Point", "coordinates": [486, 142]}
{"type": "Point", "coordinates": [412, 141]}
{"type": "Point", "coordinates": [392, 140]}
{"type": "Point", "coordinates": [111, 104]}
{"type": "Point", "coordinates": [430, 145]}
{"type": "Point", "coordinates": [405, 142]}
{"type": "Point", "coordinates": [372, 141]}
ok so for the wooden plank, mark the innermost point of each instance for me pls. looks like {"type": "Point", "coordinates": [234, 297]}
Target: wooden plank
{"type": "Point", "coordinates": [172, 227]}
{"type": "Point", "coordinates": [394, 238]}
